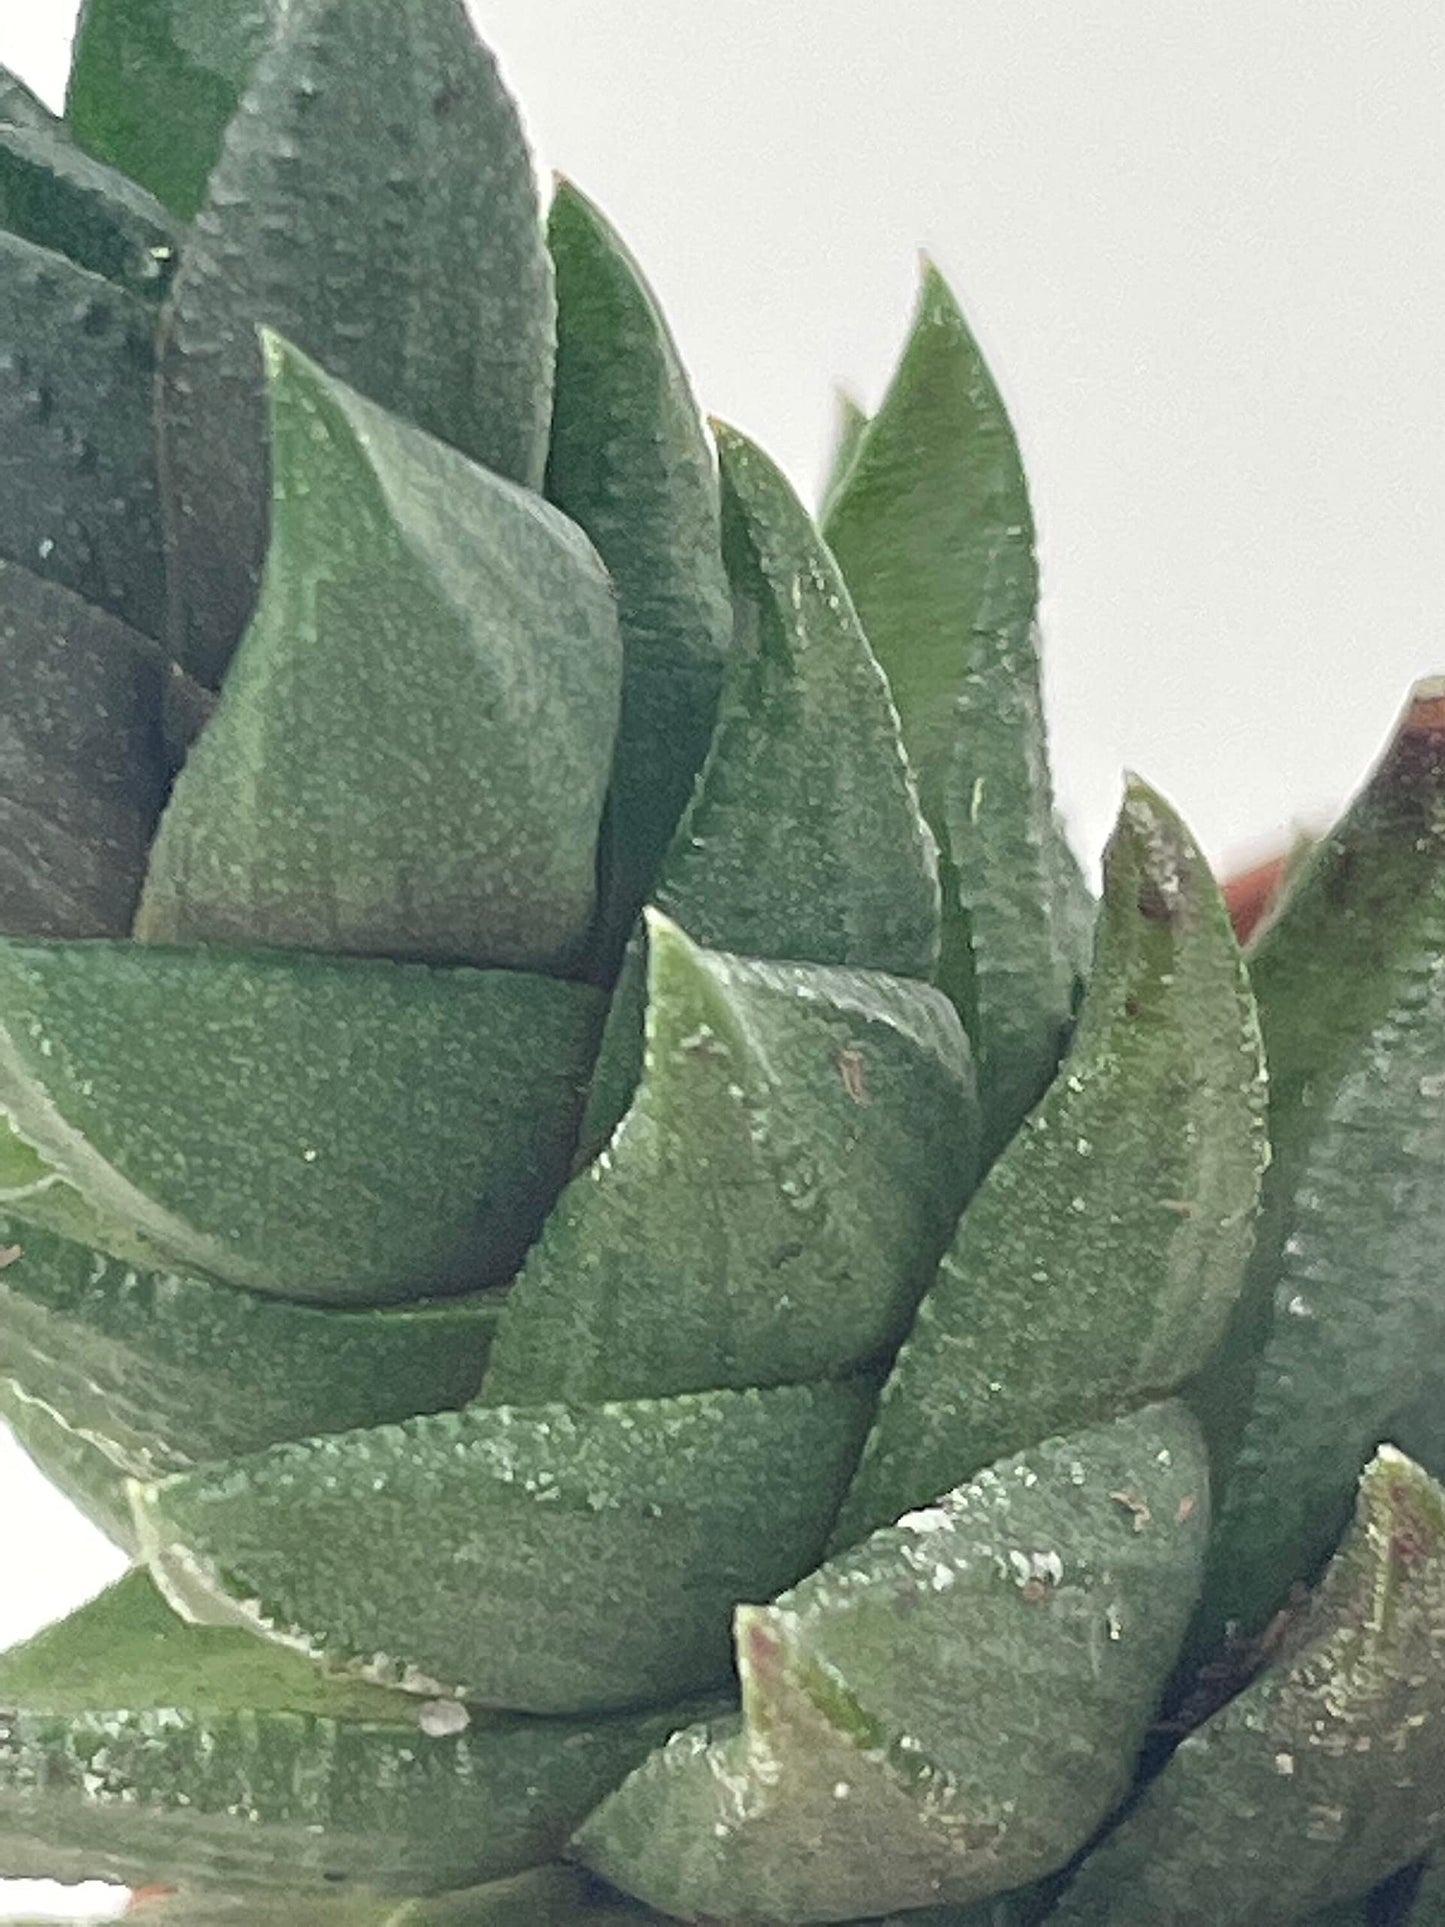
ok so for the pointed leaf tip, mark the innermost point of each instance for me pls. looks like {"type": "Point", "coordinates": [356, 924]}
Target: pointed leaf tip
{"type": "Point", "coordinates": [382, 647]}
{"type": "Point", "coordinates": [1104, 1253]}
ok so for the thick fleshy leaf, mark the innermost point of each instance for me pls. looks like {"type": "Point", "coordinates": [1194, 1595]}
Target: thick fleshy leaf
{"type": "Point", "coordinates": [78, 498]}
{"type": "Point", "coordinates": [851, 424]}
{"type": "Point", "coordinates": [1343, 1321]}
{"type": "Point", "coordinates": [945, 1712]}
{"type": "Point", "coordinates": [82, 764]}
{"type": "Point", "coordinates": [159, 1370]}
{"type": "Point", "coordinates": [804, 839]}
{"type": "Point", "coordinates": [412, 749]}
{"type": "Point", "coordinates": [19, 107]}
{"type": "Point", "coordinates": [138, 1748]}
{"type": "Point", "coordinates": [334, 1130]}
{"type": "Point", "coordinates": [373, 202]}
{"type": "Point", "coordinates": [1101, 1259]}
{"type": "Point", "coordinates": [57, 196]}
{"type": "Point", "coordinates": [934, 535]}
{"type": "Point", "coordinates": [73, 1463]}
{"type": "Point", "coordinates": [797, 1154]}
{"type": "Point", "coordinates": [154, 82]}
{"type": "Point", "coordinates": [1324, 1775]}
{"type": "Point", "coordinates": [630, 462]}
{"type": "Point", "coordinates": [552, 1558]}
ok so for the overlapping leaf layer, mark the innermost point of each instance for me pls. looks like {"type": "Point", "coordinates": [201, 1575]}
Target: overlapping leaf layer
{"type": "Point", "coordinates": [671, 1332]}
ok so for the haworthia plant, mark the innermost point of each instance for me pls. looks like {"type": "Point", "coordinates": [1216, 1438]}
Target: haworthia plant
{"type": "Point", "coordinates": [572, 1138]}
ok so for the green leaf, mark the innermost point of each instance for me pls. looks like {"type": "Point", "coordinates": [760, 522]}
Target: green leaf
{"type": "Point", "coordinates": [630, 462]}
{"type": "Point", "coordinates": [77, 469]}
{"type": "Point", "coordinates": [395, 1130]}
{"type": "Point", "coordinates": [82, 765]}
{"type": "Point", "coordinates": [850, 426]}
{"type": "Point", "coordinates": [1099, 1263]}
{"type": "Point", "coordinates": [934, 536]}
{"type": "Point", "coordinates": [1324, 1775]}
{"type": "Point", "coordinates": [57, 196]}
{"type": "Point", "coordinates": [947, 1711]}
{"type": "Point", "coordinates": [804, 839]}
{"type": "Point", "coordinates": [154, 82]}
{"type": "Point", "coordinates": [19, 107]}
{"type": "Point", "coordinates": [773, 1203]}
{"type": "Point", "coordinates": [374, 202]}
{"type": "Point", "coordinates": [72, 1462]}
{"type": "Point", "coordinates": [1343, 1322]}
{"type": "Point", "coordinates": [412, 748]}
{"type": "Point", "coordinates": [161, 1370]}
{"type": "Point", "coordinates": [1428, 1909]}
{"type": "Point", "coordinates": [486, 1550]}
{"type": "Point", "coordinates": [136, 1747]}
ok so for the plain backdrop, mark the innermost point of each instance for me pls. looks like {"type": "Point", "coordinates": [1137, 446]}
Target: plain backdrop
{"type": "Point", "coordinates": [1201, 244]}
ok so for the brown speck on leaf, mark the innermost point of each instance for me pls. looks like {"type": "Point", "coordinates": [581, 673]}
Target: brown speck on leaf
{"type": "Point", "coordinates": [850, 1067]}
{"type": "Point", "coordinates": [8, 1255]}
{"type": "Point", "coordinates": [1132, 1503]}
{"type": "Point", "coordinates": [1034, 1591]}
{"type": "Point", "coordinates": [1186, 1508]}
{"type": "Point", "coordinates": [1181, 1207]}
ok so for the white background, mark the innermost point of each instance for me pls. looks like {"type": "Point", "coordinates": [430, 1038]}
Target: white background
{"type": "Point", "coordinates": [1201, 243]}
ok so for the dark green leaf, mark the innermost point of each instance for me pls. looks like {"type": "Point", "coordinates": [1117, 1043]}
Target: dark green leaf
{"type": "Point", "coordinates": [374, 202]}
{"type": "Point", "coordinates": [154, 82]}
{"type": "Point", "coordinates": [1099, 1263]}
{"type": "Point", "coordinates": [82, 765]}
{"type": "Point", "coordinates": [412, 748]}
{"type": "Point", "coordinates": [1428, 1909]}
{"type": "Point", "coordinates": [797, 1154]}
{"type": "Point", "coordinates": [73, 1463]}
{"type": "Point", "coordinates": [1324, 1775]}
{"type": "Point", "coordinates": [53, 194]}
{"type": "Point", "coordinates": [551, 1559]}
{"type": "Point", "coordinates": [136, 1747]}
{"type": "Point", "coordinates": [804, 839]}
{"type": "Point", "coordinates": [947, 1711]}
{"type": "Point", "coordinates": [1343, 1321]}
{"type": "Point", "coordinates": [851, 424]}
{"type": "Point", "coordinates": [324, 1129]}
{"type": "Point", "coordinates": [19, 107]}
{"type": "Point", "coordinates": [934, 535]}
{"type": "Point", "coordinates": [162, 1370]}
{"type": "Point", "coordinates": [630, 462]}
{"type": "Point", "coordinates": [77, 468]}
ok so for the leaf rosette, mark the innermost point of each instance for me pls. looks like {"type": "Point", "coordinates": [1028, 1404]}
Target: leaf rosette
{"type": "Point", "coordinates": [672, 1319]}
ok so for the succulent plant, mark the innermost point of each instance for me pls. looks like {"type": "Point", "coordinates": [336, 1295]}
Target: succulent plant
{"type": "Point", "coordinates": [677, 1326]}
